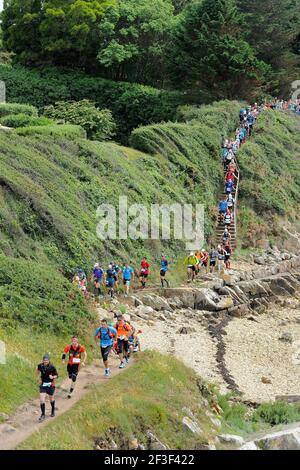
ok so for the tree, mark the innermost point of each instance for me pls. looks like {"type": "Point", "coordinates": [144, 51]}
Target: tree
{"type": "Point", "coordinates": [135, 37]}
{"type": "Point", "coordinates": [210, 53]}
{"type": "Point", "coordinates": [98, 123]}
{"type": "Point", "coordinates": [58, 31]}
{"type": "Point", "coordinates": [272, 30]}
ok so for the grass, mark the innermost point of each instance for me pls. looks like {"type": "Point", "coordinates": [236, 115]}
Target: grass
{"type": "Point", "coordinates": [24, 350]}
{"type": "Point", "coordinates": [154, 394]}
{"type": "Point", "coordinates": [151, 395]}
{"type": "Point", "coordinates": [270, 184]}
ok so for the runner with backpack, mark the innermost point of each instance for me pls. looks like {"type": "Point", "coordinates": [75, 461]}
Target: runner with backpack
{"type": "Point", "coordinates": [104, 337]}
{"type": "Point", "coordinates": [124, 331]}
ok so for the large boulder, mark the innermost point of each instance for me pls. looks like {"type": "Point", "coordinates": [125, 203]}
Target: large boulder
{"type": "Point", "coordinates": [191, 425]}
{"type": "Point", "coordinates": [156, 302]}
{"type": "Point", "coordinates": [284, 440]}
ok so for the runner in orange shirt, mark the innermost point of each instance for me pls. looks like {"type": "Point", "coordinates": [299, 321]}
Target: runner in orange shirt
{"type": "Point", "coordinates": [75, 350]}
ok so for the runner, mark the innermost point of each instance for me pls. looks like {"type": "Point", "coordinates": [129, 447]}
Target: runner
{"type": "Point", "coordinates": [104, 336]}
{"type": "Point", "coordinates": [213, 256]}
{"type": "Point", "coordinates": [191, 262]}
{"type": "Point", "coordinates": [110, 280]}
{"type": "Point", "coordinates": [128, 276]}
{"type": "Point", "coordinates": [124, 331]}
{"type": "Point", "coordinates": [228, 251]}
{"type": "Point", "coordinates": [204, 259]}
{"type": "Point", "coordinates": [164, 267]}
{"type": "Point", "coordinates": [221, 257]}
{"type": "Point", "coordinates": [48, 374]}
{"type": "Point", "coordinates": [75, 351]}
{"type": "Point", "coordinates": [145, 271]}
{"type": "Point", "coordinates": [97, 279]}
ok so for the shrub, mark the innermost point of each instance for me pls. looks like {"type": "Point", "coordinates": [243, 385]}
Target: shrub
{"type": "Point", "coordinates": [55, 130]}
{"type": "Point", "coordinates": [7, 109]}
{"type": "Point", "coordinates": [98, 123]}
{"type": "Point", "coordinates": [132, 105]}
{"type": "Point", "coordinates": [276, 413]}
{"type": "Point", "coordinates": [23, 120]}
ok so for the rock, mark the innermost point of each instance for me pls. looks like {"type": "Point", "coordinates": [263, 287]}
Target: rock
{"type": "Point", "coordinates": [185, 330]}
{"type": "Point", "coordinates": [231, 439]}
{"type": "Point", "coordinates": [249, 446]}
{"type": "Point", "coordinates": [126, 317]}
{"type": "Point", "coordinates": [206, 299]}
{"type": "Point", "coordinates": [4, 417]}
{"type": "Point", "coordinates": [154, 443]}
{"type": "Point", "coordinates": [102, 313]}
{"type": "Point", "coordinates": [205, 447]}
{"type": "Point", "coordinates": [144, 310]}
{"type": "Point", "coordinates": [133, 444]}
{"type": "Point", "coordinates": [259, 260]}
{"type": "Point", "coordinates": [224, 304]}
{"type": "Point", "coordinates": [191, 425]}
{"type": "Point", "coordinates": [284, 440]}
{"type": "Point", "coordinates": [266, 380]}
{"type": "Point", "coordinates": [113, 445]}
{"type": "Point", "coordinates": [156, 302]}
{"type": "Point", "coordinates": [162, 317]}
{"type": "Point", "coordinates": [136, 301]}
{"type": "Point", "coordinates": [7, 428]}
{"type": "Point", "coordinates": [286, 337]}
{"type": "Point", "coordinates": [216, 422]}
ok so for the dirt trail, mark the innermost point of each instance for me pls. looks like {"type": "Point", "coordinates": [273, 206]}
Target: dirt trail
{"type": "Point", "coordinates": [24, 421]}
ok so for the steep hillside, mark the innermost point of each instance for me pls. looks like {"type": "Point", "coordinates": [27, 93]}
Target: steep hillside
{"type": "Point", "coordinates": [50, 188]}
{"type": "Point", "coordinates": [270, 184]}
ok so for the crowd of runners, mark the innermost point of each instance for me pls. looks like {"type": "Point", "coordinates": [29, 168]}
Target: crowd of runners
{"type": "Point", "coordinates": [114, 278]}
{"type": "Point", "coordinates": [120, 337]}
{"type": "Point", "coordinates": [219, 256]}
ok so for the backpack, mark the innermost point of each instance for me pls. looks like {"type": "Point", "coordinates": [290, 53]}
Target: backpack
{"type": "Point", "coordinates": [74, 352]}
{"type": "Point", "coordinates": [108, 333]}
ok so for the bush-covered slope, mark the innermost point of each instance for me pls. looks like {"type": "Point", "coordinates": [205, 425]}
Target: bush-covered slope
{"type": "Point", "coordinates": [270, 177]}
{"type": "Point", "coordinates": [50, 188]}
{"type": "Point", "coordinates": [131, 104]}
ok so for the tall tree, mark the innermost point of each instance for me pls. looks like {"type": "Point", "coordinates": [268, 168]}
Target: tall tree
{"type": "Point", "coordinates": [135, 37]}
{"type": "Point", "coordinates": [273, 27]}
{"type": "Point", "coordinates": [60, 31]}
{"type": "Point", "coordinates": [210, 53]}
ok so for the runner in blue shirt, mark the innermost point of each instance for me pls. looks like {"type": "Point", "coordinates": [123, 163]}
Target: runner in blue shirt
{"type": "Point", "coordinates": [164, 267]}
{"type": "Point", "coordinates": [97, 278]}
{"type": "Point", "coordinates": [104, 336]}
{"type": "Point", "coordinates": [128, 276]}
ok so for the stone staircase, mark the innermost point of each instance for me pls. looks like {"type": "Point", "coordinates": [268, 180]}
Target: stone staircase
{"type": "Point", "coordinates": [233, 227]}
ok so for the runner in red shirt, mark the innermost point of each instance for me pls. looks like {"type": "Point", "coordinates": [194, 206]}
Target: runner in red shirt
{"type": "Point", "coordinates": [75, 351]}
{"type": "Point", "coordinates": [145, 271]}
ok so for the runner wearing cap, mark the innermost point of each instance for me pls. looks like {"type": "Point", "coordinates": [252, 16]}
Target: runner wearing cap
{"type": "Point", "coordinates": [48, 374]}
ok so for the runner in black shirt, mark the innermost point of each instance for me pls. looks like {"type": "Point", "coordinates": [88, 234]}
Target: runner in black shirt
{"type": "Point", "coordinates": [48, 374]}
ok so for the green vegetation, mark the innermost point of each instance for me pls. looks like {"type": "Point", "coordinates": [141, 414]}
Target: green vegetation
{"type": "Point", "coordinates": [98, 123]}
{"type": "Point", "coordinates": [131, 104]}
{"type": "Point", "coordinates": [270, 172]}
{"type": "Point", "coordinates": [50, 189]}
{"type": "Point", "coordinates": [159, 388]}
{"type": "Point", "coordinates": [210, 52]}
{"type": "Point", "coordinates": [209, 49]}
{"type": "Point", "coordinates": [277, 413]}
{"type": "Point", "coordinates": [69, 131]}
{"type": "Point", "coordinates": [162, 392]}
{"type": "Point", "coordinates": [7, 109]}
{"type": "Point", "coordinates": [23, 120]}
